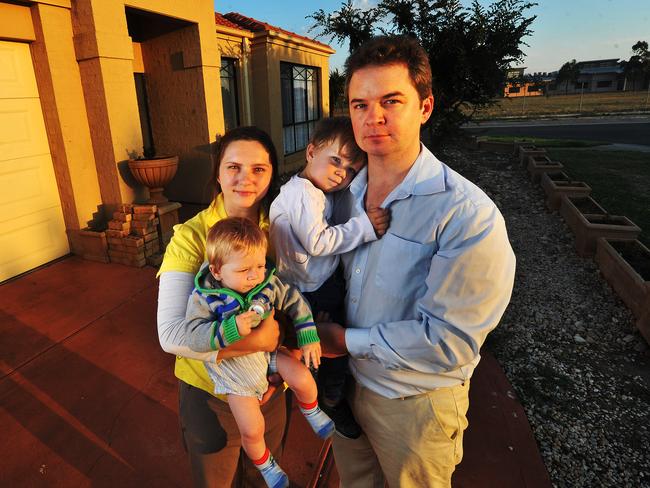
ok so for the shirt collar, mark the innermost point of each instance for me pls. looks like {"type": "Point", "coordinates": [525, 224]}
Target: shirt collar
{"type": "Point", "coordinates": [425, 177]}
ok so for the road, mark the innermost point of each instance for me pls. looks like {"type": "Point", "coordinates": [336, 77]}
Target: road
{"type": "Point", "coordinates": [618, 130]}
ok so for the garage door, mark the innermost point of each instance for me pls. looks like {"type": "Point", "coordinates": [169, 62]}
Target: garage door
{"type": "Point", "coordinates": [32, 231]}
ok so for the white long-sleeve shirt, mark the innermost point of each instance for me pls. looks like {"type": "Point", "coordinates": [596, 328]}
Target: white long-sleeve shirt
{"type": "Point", "coordinates": [306, 246]}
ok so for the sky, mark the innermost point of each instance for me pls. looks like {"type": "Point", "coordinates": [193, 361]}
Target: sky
{"type": "Point", "coordinates": [564, 29]}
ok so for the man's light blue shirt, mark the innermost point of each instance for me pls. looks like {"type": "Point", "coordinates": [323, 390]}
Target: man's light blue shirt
{"type": "Point", "coordinates": [421, 300]}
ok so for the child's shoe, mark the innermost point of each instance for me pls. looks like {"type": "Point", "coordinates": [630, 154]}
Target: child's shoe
{"type": "Point", "coordinates": [319, 421]}
{"type": "Point", "coordinates": [272, 473]}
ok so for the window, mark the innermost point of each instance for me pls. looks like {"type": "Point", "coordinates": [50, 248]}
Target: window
{"type": "Point", "coordinates": [582, 85]}
{"type": "Point", "coordinates": [229, 97]}
{"type": "Point", "coordinates": [145, 117]}
{"type": "Point", "coordinates": [604, 84]}
{"type": "Point", "coordinates": [514, 89]}
{"type": "Point", "coordinates": [300, 104]}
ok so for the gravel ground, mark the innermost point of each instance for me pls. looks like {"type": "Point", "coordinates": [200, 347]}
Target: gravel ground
{"type": "Point", "coordinates": [567, 343]}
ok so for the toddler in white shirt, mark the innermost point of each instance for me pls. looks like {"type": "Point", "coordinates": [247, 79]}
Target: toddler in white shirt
{"type": "Point", "coordinates": [307, 247]}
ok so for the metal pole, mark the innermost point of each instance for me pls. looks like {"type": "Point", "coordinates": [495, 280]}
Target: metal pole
{"type": "Point", "coordinates": [582, 90]}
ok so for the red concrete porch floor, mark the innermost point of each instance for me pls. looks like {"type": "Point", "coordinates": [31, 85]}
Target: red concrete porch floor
{"type": "Point", "coordinates": [87, 397]}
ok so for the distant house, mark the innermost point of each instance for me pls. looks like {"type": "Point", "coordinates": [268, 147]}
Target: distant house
{"type": "Point", "coordinates": [601, 75]}
{"type": "Point", "coordinates": [519, 84]}
{"type": "Point", "coordinates": [86, 85]}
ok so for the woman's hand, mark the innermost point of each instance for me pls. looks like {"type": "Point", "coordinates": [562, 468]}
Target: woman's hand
{"type": "Point", "coordinates": [268, 394]}
{"type": "Point", "coordinates": [267, 334]}
{"type": "Point", "coordinates": [264, 337]}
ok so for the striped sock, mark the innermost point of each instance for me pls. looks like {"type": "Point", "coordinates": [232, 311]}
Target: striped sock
{"type": "Point", "coordinates": [318, 420]}
{"type": "Point", "coordinates": [271, 472]}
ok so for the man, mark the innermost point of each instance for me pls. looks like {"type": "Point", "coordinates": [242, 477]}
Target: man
{"type": "Point", "coordinates": [421, 300]}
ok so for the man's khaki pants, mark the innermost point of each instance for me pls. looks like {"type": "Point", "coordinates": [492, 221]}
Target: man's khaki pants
{"type": "Point", "coordinates": [412, 442]}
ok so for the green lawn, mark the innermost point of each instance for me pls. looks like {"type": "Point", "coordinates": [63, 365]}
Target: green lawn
{"type": "Point", "coordinates": [620, 180]}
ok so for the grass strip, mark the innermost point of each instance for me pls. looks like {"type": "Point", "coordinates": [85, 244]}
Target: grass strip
{"type": "Point", "coordinates": [620, 181]}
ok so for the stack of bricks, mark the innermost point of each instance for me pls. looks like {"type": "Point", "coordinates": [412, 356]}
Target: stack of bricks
{"type": "Point", "coordinates": [133, 234]}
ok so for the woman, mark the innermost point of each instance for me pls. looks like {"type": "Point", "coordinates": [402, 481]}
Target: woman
{"type": "Point", "coordinates": [246, 165]}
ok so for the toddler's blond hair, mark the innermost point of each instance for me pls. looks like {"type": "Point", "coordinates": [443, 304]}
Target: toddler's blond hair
{"type": "Point", "coordinates": [232, 235]}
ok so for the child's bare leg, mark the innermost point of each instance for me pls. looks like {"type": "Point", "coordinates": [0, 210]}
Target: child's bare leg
{"type": "Point", "coordinates": [297, 376]}
{"type": "Point", "coordinates": [300, 380]}
{"type": "Point", "coordinates": [250, 421]}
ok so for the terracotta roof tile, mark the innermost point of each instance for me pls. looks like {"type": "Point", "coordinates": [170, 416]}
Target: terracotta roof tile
{"type": "Point", "coordinates": [255, 25]}
{"type": "Point", "coordinates": [221, 20]}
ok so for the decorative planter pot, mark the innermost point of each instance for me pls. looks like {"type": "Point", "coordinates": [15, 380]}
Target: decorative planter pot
{"type": "Point", "coordinates": [587, 227]}
{"type": "Point", "coordinates": [556, 185]}
{"type": "Point", "coordinates": [154, 173]}
{"type": "Point", "coordinates": [495, 146]}
{"type": "Point", "coordinates": [626, 267]}
{"type": "Point", "coordinates": [538, 165]}
{"type": "Point", "coordinates": [526, 151]}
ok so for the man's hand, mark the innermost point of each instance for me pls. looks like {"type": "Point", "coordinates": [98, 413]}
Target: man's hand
{"type": "Point", "coordinates": [311, 354]}
{"type": "Point", "coordinates": [380, 219]}
{"type": "Point", "coordinates": [332, 338]}
{"type": "Point", "coordinates": [247, 321]}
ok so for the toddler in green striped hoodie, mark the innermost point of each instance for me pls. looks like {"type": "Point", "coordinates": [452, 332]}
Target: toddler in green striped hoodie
{"type": "Point", "coordinates": [234, 291]}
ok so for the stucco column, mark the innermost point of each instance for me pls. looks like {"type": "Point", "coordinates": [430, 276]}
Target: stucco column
{"type": "Point", "coordinates": [65, 116]}
{"type": "Point", "coordinates": [104, 53]}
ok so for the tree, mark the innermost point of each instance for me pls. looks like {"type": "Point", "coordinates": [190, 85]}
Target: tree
{"type": "Point", "coordinates": [568, 73]}
{"type": "Point", "coordinates": [638, 66]}
{"type": "Point", "coordinates": [348, 23]}
{"type": "Point", "coordinates": [337, 90]}
{"type": "Point", "coordinates": [469, 48]}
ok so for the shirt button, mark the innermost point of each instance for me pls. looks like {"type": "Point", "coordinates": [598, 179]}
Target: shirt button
{"type": "Point", "coordinates": [357, 271]}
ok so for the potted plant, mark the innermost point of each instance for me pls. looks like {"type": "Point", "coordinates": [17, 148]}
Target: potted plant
{"type": "Point", "coordinates": [588, 221]}
{"type": "Point", "coordinates": [154, 172]}
{"type": "Point", "coordinates": [556, 185]}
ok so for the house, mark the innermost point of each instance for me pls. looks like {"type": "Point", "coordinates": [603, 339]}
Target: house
{"type": "Point", "coordinates": [519, 84]}
{"type": "Point", "coordinates": [86, 85]}
{"type": "Point", "coordinates": [260, 61]}
{"type": "Point", "coordinates": [600, 75]}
